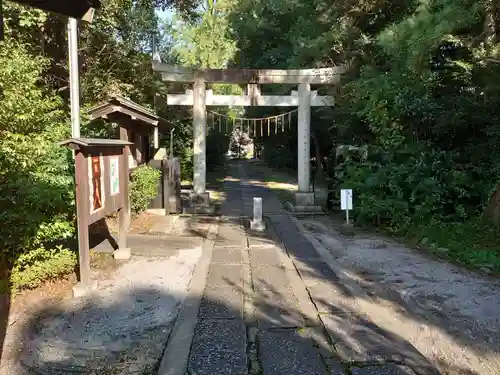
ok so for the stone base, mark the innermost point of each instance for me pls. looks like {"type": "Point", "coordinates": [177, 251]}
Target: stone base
{"type": "Point", "coordinates": [122, 254]}
{"type": "Point", "coordinates": [305, 210]}
{"type": "Point", "coordinates": [347, 229]}
{"type": "Point", "coordinates": [199, 210]}
{"type": "Point", "coordinates": [304, 199]}
{"type": "Point", "coordinates": [305, 204]}
{"type": "Point", "coordinates": [258, 226]}
{"type": "Point", "coordinates": [200, 200]}
{"type": "Point", "coordinates": [82, 290]}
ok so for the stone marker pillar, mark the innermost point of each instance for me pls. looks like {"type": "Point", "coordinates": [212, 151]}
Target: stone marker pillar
{"type": "Point", "coordinates": [156, 138]}
{"type": "Point", "coordinates": [257, 223]}
{"type": "Point", "coordinates": [199, 132]}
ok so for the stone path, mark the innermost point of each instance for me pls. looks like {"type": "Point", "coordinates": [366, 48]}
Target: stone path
{"type": "Point", "coordinates": [271, 305]}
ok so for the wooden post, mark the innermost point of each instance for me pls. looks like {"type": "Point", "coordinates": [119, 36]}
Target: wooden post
{"type": "Point", "coordinates": [83, 217]}
{"type": "Point", "coordinates": [125, 136]}
{"type": "Point", "coordinates": [124, 214]}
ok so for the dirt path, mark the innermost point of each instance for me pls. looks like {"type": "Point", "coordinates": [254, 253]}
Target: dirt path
{"type": "Point", "coordinates": [450, 315]}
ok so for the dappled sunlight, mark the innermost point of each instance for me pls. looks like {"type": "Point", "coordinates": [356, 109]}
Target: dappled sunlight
{"type": "Point", "coordinates": [106, 330]}
{"type": "Point", "coordinates": [433, 320]}
{"type": "Point", "coordinates": [282, 186]}
{"type": "Point", "coordinates": [231, 179]}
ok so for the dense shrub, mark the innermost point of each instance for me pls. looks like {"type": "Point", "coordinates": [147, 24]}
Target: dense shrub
{"type": "Point", "coordinates": [217, 147]}
{"type": "Point", "coordinates": [413, 185]}
{"type": "Point", "coordinates": [36, 183]}
{"type": "Point", "coordinates": [39, 264]}
{"type": "Point", "coordinates": [143, 187]}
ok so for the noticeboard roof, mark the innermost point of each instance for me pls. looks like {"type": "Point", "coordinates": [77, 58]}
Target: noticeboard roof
{"type": "Point", "coordinates": [78, 143]}
{"type": "Point", "coordinates": [74, 8]}
{"type": "Point", "coordinates": [119, 105]}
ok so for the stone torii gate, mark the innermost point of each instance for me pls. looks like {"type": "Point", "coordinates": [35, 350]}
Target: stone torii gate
{"type": "Point", "coordinates": [199, 98]}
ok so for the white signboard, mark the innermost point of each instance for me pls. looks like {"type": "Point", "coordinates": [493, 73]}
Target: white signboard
{"type": "Point", "coordinates": [346, 199]}
{"type": "Point", "coordinates": [114, 177]}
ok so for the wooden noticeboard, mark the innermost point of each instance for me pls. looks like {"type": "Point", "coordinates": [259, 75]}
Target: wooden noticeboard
{"type": "Point", "coordinates": [101, 175]}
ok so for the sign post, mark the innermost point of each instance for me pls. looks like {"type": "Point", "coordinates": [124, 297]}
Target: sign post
{"type": "Point", "coordinates": [346, 202]}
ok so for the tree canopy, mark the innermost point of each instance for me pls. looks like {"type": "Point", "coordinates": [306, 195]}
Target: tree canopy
{"type": "Point", "coordinates": [421, 98]}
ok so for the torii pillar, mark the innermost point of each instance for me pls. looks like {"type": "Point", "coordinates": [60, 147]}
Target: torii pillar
{"type": "Point", "coordinates": [303, 137]}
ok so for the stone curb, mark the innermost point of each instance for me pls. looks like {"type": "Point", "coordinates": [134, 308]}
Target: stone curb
{"type": "Point", "coordinates": [307, 307]}
{"type": "Point", "coordinates": [347, 279]}
{"type": "Point", "coordinates": [176, 355]}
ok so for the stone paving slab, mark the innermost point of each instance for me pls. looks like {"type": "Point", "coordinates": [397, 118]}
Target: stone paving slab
{"type": "Point", "coordinates": [382, 370]}
{"type": "Point", "coordinates": [289, 353]}
{"type": "Point", "coordinates": [219, 347]}
{"type": "Point", "coordinates": [225, 276]}
{"type": "Point", "coordinates": [164, 224]}
{"type": "Point", "coordinates": [265, 257]}
{"type": "Point", "coordinates": [273, 309]}
{"type": "Point", "coordinates": [224, 255]}
{"type": "Point", "coordinates": [231, 237]}
{"type": "Point", "coordinates": [189, 226]}
{"type": "Point", "coordinates": [222, 244]}
{"type": "Point", "coordinates": [154, 246]}
{"type": "Point", "coordinates": [335, 367]}
{"type": "Point", "coordinates": [300, 248]}
{"type": "Point", "coordinates": [259, 239]}
{"type": "Point", "coordinates": [218, 302]}
{"type": "Point", "coordinates": [269, 278]}
{"type": "Point", "coordinates": [256, 242]}
{"type": "Point", "coordinates": [271, 303]}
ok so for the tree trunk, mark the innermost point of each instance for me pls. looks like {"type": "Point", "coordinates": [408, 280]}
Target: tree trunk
{"type": "Point", "coordinates": [493, 209]}
{"type": "Point", "coordinates": [491, 22]}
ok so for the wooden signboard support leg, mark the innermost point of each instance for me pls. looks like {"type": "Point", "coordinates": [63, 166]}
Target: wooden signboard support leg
{"type": "Point", "coordinates": [85, 283]}
{"type": "Point", "coordinates": [123, 251]}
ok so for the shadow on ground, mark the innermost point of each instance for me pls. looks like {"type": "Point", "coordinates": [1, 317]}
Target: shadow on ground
{"type": "Point", "coordinates": [127, 334]}
{"type": "Point", "coordinates": [114, 338]}
{"type": "Point", "coordinates": [462, 331]}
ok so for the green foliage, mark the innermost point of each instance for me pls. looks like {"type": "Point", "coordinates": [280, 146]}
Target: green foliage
{"type": "Point", "coordinates": [471, 243]}
{"type": "Point", "coordinates": [411, 186]}
{"type": "Point", "coordinates": [217, 147]}
{"type": "Point", "coordinates": [36, 175]}
{"type": "Point", "coordinates": [143, 187]}
{"type": "Point", "coordinates": [422, 96]}
{"type": "Point", "coordinates": [40, 264]}
{"type": "Point", "coordinates": [205, 43]}
{"type": "Point", "coordinates": [203, 40]}
{"type": "Point", "coordinates": [36, 185]}
{"type": "Point", "coordinates": [278, 153]}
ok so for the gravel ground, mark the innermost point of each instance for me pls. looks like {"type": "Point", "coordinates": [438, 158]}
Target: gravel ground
{"type": "Point", "coordinates": [450, 315]}
{"type": "Point", "coordinates": [122, 328]}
